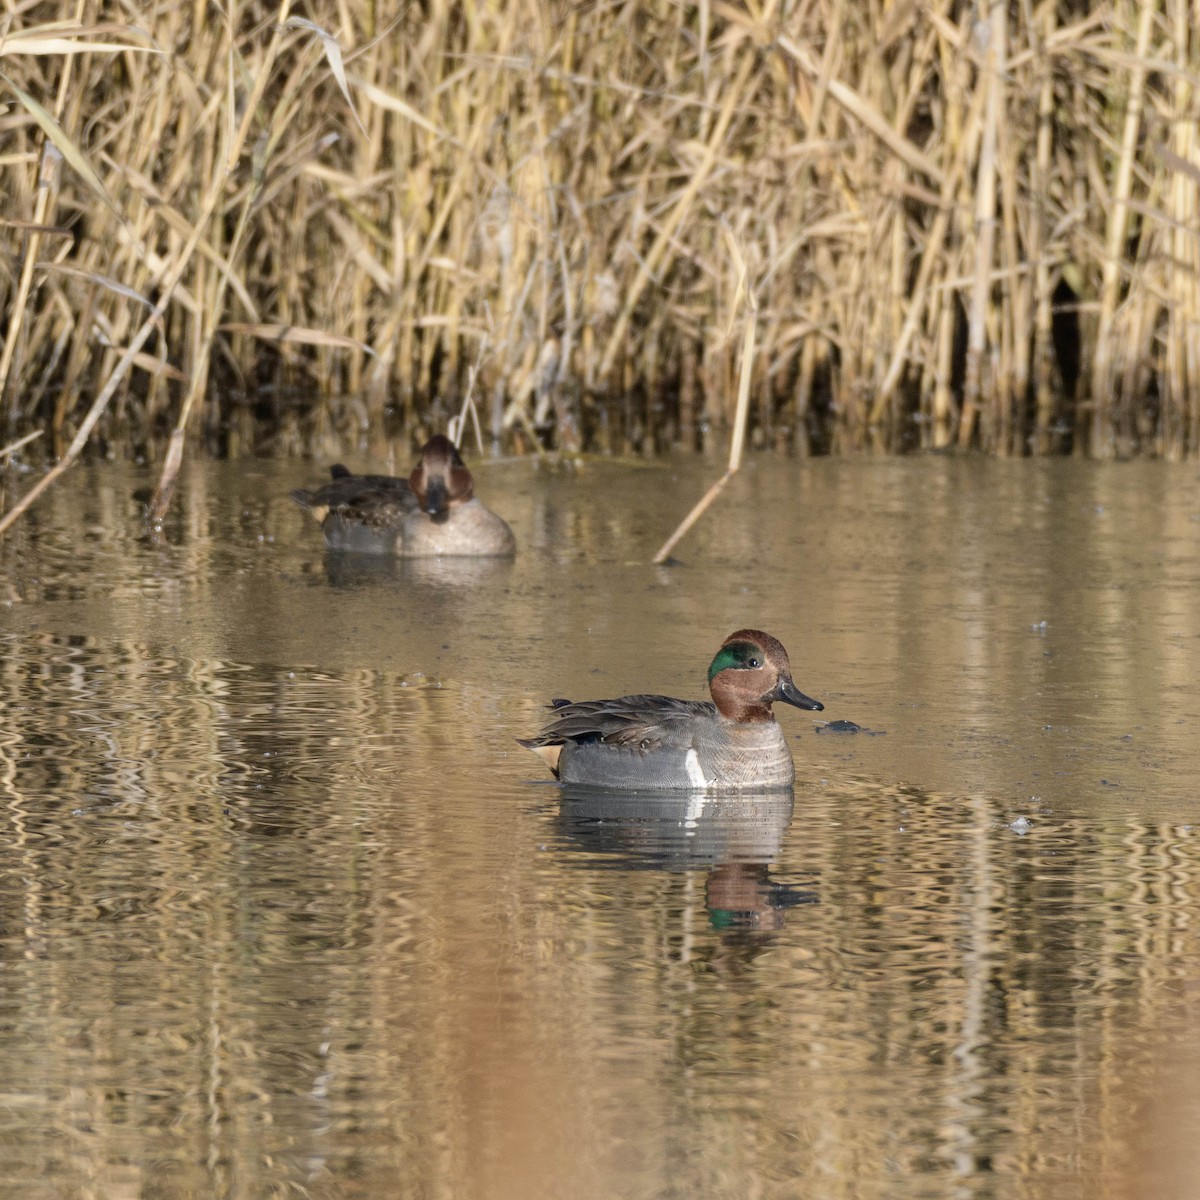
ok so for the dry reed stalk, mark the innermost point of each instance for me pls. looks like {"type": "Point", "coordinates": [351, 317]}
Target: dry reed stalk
{"type": "Point", "coordinates": [749, 329]}
{"type": "Point", "coordinates": [231, 155]}
{"type": "Point", "coordinates": [1102, 373]}
{"type": "Point", "coordinates": [991, 28]}
{"type": "Point", "coordinates": [1010, 394]}
{"type": "Point", "coordinates": [966, 139]}
{"type": "Point", "coordinates": [943, 404]}
{"type": "Point", "coordinates": [1043, 286]}
{"type": "Point", "coordinates": [1180, 423]}
{"type": "Point", "coordinates": [865, 113]}
{"type": "Point", "coordinates": [47, 191]}
{"type": "Point", "coordinates": [1137, 357]}
{"type": "Point", "coordinates": [680, 209]}
{"type": "Point", "coordinates": [919, 311]}
{"type": "Point", "coordinates": [13, 447]}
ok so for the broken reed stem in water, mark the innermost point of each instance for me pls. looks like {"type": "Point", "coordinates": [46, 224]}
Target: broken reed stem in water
{"type": "Point", "coordinates": [735, 450]}
{"type": "Point", "coordinates": [13, 447]}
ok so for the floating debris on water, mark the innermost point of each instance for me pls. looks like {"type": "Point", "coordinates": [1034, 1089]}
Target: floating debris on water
{"type": "Point", "coordinates": [847, 727]}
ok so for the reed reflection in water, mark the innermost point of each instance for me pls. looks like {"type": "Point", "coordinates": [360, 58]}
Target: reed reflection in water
{"type": "Point", "coordinates": [285, 910]}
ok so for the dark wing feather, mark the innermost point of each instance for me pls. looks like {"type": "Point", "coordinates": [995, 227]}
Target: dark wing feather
{"type": "Point", "coordinates": [375, 501]}
{"type": "Point", "coordinates": [647, 721]}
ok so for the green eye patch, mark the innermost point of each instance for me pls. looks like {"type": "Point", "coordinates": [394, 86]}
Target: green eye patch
{"type": "Point", "coordinates": [741, 656]}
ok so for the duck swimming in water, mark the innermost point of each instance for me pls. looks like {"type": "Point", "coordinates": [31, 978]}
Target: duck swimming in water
{"type": "Point", "coordinates": [650, 743]}
{"type": "Point", "coordinates": [432, 512]}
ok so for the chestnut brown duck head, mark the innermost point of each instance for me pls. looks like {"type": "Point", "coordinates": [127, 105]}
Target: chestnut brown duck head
{"type": "Point", "coordinates": [441, 480]}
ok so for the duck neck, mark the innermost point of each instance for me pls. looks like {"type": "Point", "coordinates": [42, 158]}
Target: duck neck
{"type": "Point", "coordinates": [741, 710]}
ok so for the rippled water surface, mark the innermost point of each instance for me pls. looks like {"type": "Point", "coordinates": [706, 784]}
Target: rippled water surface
{"type": "Point", "coordinates": [285, 911]}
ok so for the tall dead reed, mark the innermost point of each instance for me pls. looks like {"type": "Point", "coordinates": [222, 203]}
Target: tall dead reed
{"type": "Point", "coordinates": [963, 222]}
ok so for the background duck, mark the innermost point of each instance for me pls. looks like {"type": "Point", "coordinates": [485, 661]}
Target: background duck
{"type": "Point", "coordinates": [432, 512]}
{"type": "Point", "coordinates": [647, 742]}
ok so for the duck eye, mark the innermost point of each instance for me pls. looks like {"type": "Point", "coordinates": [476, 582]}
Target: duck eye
{"type": "Point", "coordinates": [754, 663]}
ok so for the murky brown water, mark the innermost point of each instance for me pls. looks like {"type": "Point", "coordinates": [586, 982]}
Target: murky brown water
{"type": "Point", "coordinates": [285, 911]}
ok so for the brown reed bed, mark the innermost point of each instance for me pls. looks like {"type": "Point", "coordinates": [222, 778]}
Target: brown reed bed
{"type": "Point", "coordinates": [962, 224]}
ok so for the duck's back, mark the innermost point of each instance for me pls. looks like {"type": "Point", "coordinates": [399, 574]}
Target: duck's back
{"type": "Point", "coordinates": [361, 513]}
{"type": "Point", "coordinates": [360, 494]}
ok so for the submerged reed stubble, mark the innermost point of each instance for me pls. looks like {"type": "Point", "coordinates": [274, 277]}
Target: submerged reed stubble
{"type": "Point", "coordinates": [963, 223]}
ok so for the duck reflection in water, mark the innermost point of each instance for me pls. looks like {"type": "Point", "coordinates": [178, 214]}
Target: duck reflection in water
{"type": "Point", "coordinates": [734, 838]}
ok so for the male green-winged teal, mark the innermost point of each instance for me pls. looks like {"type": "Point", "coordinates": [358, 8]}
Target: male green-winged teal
{"type": "Point", "coordinates": [432, 512]}
{"type": "Point", "coordinates": [652, 743]}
